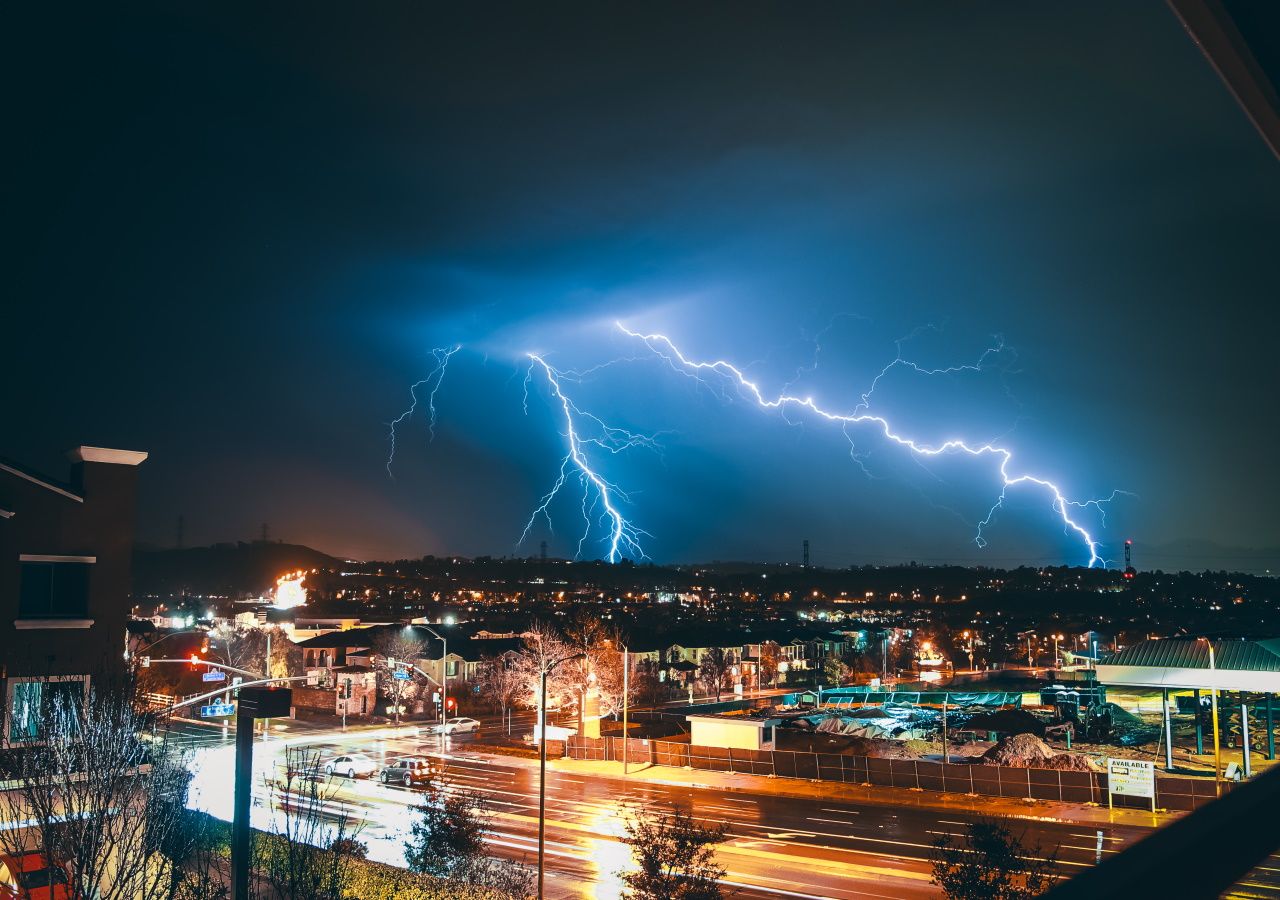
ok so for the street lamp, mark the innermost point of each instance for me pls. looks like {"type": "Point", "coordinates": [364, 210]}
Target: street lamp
{"type": "Point", "coordinates": [1056, 638]}
{"type": "Point", "coordinates": [1213, 700]}
{"type": "Point", "coordinates": [547, 669]}
{"type": "Point", "coordinates": [444, 679]}
{"type": "Point", "coordinates": [969, 638]}
{"type": "Point", "coordinates": [1030, 663]}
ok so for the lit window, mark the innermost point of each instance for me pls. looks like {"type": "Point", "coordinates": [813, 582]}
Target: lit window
{"type": "Point", "coordinates": [34, 704]}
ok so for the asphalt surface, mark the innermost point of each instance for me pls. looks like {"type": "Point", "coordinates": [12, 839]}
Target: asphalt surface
{"type": "Point", "coordinates": [778, 846]}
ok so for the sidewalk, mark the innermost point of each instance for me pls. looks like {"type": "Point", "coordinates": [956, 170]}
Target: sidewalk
{"type": "Point", "coordinates": [800, 789]}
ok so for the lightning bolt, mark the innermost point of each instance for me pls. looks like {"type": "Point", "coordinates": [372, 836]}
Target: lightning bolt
{"type": "Point", "coordinates": [666, 349]}
{"type": "Point", "coordinates": [434, 379]}
{"type": "Point", "coordinates": [582, 430]}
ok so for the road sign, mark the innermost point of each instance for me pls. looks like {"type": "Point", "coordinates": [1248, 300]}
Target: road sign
{"type": "Point", "coordinates": [1131, 778]}
{"type": "Point", "coordinates": [401, 675]}
{"type": "Point", "coordinates": [214, 675]}
{"type": "Point", "coordinates": [217, 710]}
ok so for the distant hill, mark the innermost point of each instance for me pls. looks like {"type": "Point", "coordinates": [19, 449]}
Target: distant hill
{"type": "Point", "coordinates": [224, 569]}
{"type": "Point", "coordinates": [1201, 555]}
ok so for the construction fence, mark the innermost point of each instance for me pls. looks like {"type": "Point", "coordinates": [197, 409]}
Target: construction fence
{"type": "Point", "coordinates": [1172, 792]}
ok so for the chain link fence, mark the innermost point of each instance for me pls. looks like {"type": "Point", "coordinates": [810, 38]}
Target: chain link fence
{"type": "Point", "coordinates": [1172, 792]}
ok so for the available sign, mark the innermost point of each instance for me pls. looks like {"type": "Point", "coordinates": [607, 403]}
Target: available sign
{"type": "Point", "coordinates": [217, 710]}
{"type": "Point", "coordinates": [1131, 778]}
{"type": "Point", "coordinates": [214, 675]}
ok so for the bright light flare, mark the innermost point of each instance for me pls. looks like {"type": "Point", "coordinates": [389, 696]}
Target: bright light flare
{"type": "Point", "coordinates": [289, 590]}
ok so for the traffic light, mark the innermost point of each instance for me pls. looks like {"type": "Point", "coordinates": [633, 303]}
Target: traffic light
{"type": "Point", "coordinates": [195, 661]}
{"type": "Point", "coordinates": [452, 704]}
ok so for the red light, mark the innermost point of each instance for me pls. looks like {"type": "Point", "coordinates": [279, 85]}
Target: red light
{"type": "Point", "coordinates": [194, 659]}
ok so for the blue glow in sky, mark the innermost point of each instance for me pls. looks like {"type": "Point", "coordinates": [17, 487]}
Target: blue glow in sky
{"type": "Point", "coordinates": [237, 245]}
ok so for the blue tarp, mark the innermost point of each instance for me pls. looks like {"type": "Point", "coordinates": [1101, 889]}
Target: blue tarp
{"type": "Point", "coordinates": [843, 698]}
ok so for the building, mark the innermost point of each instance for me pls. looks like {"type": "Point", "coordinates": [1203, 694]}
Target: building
{"type": "Point", "coordinates": [66, 551]}
{"type": "Point", "coordinates": [737, 731]}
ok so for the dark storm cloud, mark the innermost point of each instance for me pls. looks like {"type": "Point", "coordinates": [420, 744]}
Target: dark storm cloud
{"type": "Point", "coordinates": [236, 233]}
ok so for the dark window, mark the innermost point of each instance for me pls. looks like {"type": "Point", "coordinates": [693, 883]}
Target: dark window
{"type": "Point", "coordinates": [41, 878]}
{"type": "Point", "coordinates": [54, 590]}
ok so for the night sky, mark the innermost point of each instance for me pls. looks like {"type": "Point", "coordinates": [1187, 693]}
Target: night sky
{"type": "Point", "coordinates": [236, 236]}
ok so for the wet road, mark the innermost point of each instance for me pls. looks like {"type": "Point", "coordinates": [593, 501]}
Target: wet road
{"type": "Point", "coordinates": [777, 847]}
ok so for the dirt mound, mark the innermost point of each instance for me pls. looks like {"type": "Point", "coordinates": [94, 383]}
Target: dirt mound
{"type": "Point", "coordinates": [1026, 751]}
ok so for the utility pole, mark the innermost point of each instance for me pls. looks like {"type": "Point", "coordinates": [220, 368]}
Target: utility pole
{"type": "Point", "coordinates": [266, 532]}
{"type": "Point", "coordinates": [266, 724]}
{"type": "Point", "coordinates": [542, 767]}
{"type": "Point", "coordinates": [254, 703]}
{"type": "Point", "coordinates": [806, 553]}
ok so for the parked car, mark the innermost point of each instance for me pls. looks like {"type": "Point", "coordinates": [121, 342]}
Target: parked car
{"type": "Point", "coordinates": [458, 725]}
{"type": "Point", "coordinates": [30, 876]}
{"type": "Point", "coordinates": [408, 771]}
{"type": "Point", "coordinates": [351, 764]}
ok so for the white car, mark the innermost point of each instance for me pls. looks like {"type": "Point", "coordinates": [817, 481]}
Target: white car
{"type": "Point", "coordinates": [351, 764]}
{"type": "Point", "coordinates": [459, 725]}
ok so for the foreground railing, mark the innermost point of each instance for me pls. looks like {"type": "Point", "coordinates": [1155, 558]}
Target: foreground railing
{"type": "Point", "coordinates": [1200, 855]}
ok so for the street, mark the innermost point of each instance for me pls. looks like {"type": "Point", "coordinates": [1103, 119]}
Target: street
{"type": "Point", "coordinates": [778, 845]}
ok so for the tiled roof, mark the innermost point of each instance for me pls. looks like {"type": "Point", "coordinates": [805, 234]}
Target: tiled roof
{"type": "Point", "coordinates": [1237, 656]}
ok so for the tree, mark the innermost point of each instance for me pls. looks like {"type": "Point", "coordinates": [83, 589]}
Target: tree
{"type": "Point", "coordinates": [447, 833]}
{"type": "Point", "coordinates": [543, 651]}
{"type": "Point", "coordinates": [500, 682]}
{"type": "Point", "coordinates": [85, 791]}
{"type": "Point", "coordinates": [245, 647]}
{"type": "Point", "coordinates": [446, 840]}
{"type": "Point", "coordinates": [400, 646]}
{"type": "Point", "coordinates": [770, 655]}
{"type": "Point", "coordinates": [598, 666]}
{"type": "Point", "coordinates": [674, 856]}
{"type": "Point", "coordinates": [313, 844]}
{"type": "Point", "coordinates": [714, 668]}
{"type": "Point", "coordinates": [992, 864]}
{"type": "Point", "coordinates": [647, 686]}
{"type": "Point", "coordinates": [834, 669]}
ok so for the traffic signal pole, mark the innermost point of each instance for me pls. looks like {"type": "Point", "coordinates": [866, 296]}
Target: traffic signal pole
{"type": "Point", "coordinates": [240, 828]}
{"type": "Point", "coordinates": [255, 703]}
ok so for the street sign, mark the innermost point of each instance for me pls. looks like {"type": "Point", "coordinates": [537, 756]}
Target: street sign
{"type": "Point", "coordinates": [214, 675]}
{"type": "Point", "coordinates": [1131, 778]}
{"type": "Point", "coordinates": [436, 697]}
{"type": "Point", "coordinates": [217, 710]}
{"type": "Point", "coordinates": [401, 675]}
